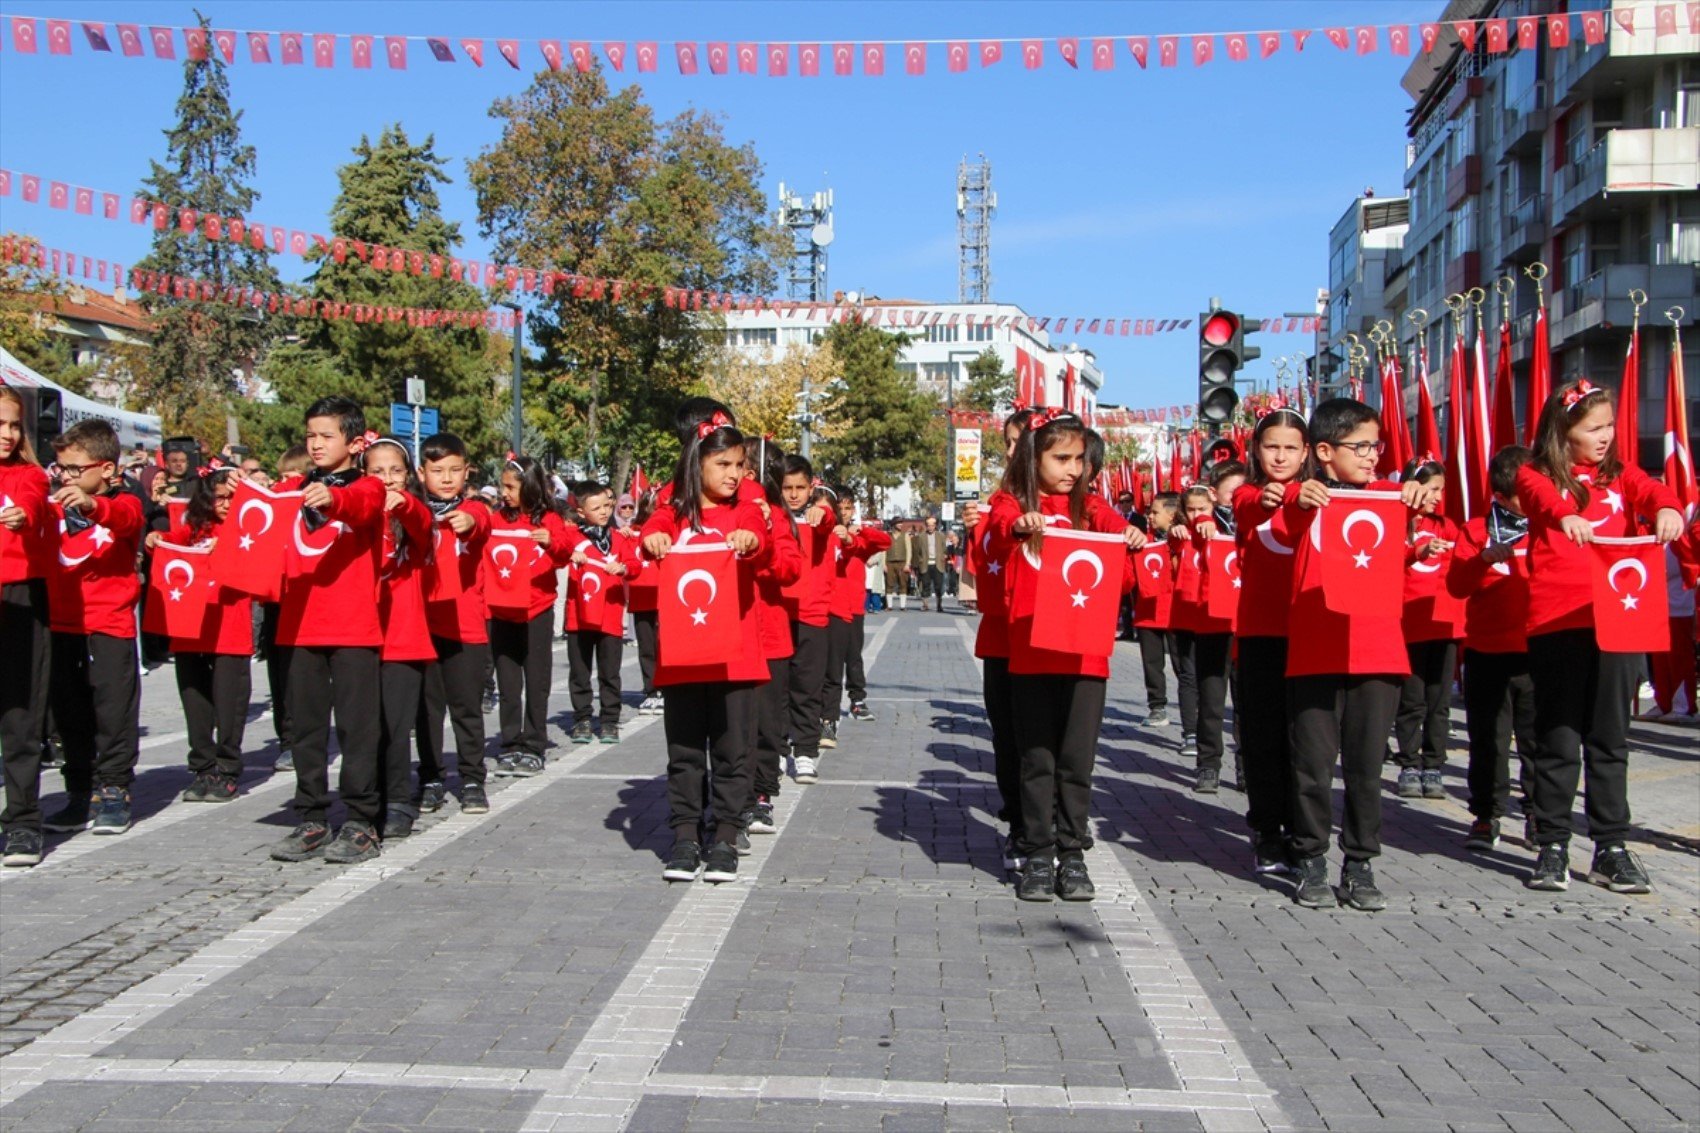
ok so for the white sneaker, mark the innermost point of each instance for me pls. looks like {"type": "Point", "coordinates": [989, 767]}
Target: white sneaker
{"type": "Point", "coordinates": [1654, 712]}
{"type": "Point", "coordinates": [806, 772]}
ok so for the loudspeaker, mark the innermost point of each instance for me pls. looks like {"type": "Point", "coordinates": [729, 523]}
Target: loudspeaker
{"type": "Point", "coordinates": [44, 418]}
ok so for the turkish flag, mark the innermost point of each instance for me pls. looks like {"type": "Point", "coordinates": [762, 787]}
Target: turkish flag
{"type": "Point", "coordinates": [1069, 49]}
{"type": "Point", "coordinates": [290, 48]}
{"type": "Point", "coordinates": [442, 573]}
{"type": "Point", "coordinates": [1222, 576]}
{"type": "Point", "coordinates": [506, 572]}
{"type": "Point", "coordinates": [873, 59]}
{"type": "Point", "coordinates": [1528, 32]}
{"type": "Point", "coordinates": [395, 47]}
{"type": "Point", "coordinates": [130, 39]}
{"type": "Point", "coordinates": [590, 596]}
{"type": "Point", "coordinates": [1498, 35]}
{"type": "Point", "coordinates": [96, 34]}
{"type": "Point", "coordinates": [1399, 38]}
{"type": "Point", "coordinates": [1631, 602]}
{"type": "Point", "coordinates": [1679, 453]}
{"type": "Point", "coordinates": [250, 549]}
{"type": "Point", "coordinates": [686, 54]}
{"type": "Point", "coordinates": [1168, 47]}
{"type": "Point", "coordinates": [808, 60]}
{"type": "Point", "coordinates": [1360, 537]}
{"type": "Point", "coordinates": [310, 538]}
{"type": "Point", "coordinates": [360, 48]}
{"type": "Point", "coordinates": [698, 604]}
{"type": "Point", "coordinates": [1078, 592]}
{"type": "Point", "coordinates": [180, 585]}
{"type": "Point", "coordinates": [474, 49]}
{"type": "Point", "coordinates": [915, 59]}
{"type": "Point", "coordinates": [613, 49]}
{"type": "Point", "coordinates": [1558, 30]}
{"type": "Point", "coordinates": [778, 59]}
{"type": "Point", "coordinates": [582, 56]}
{"type": "Point", "coordinates": [1593, 28]}
{"type": "Point", "coordinates": [509, 49]}
{"type": "Point", "coordinates": [991, 51]}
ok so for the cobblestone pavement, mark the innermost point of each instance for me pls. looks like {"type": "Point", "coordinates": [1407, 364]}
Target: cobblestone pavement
{"type": "Point", "coordinates": [527, 969]}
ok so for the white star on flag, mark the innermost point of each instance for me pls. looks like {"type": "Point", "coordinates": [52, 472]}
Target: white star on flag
{"type": "Point", "coordinates": [698, 617]}
{"type": "Point", "coordinates": [101, 536]}
{"type": "Point", "coordinates": [506, 573]}
{"type": "Point", "coordinates": [1079, 598]}
{"type": "Point", "coordinates": [1630, 601]}
{"type": "Point", "coordinates": [994, 568]}
{"type": "Point", "coordinates": [247, 542]}
{"type": "Point", "coordinates": [1615, 500]}
{"type": "Point", "coordinates": [1361, 560]}
{"type": "Point", "coordinates": [176, 595]}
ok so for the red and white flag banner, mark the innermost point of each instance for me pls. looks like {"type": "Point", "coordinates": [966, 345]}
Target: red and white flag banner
{"type": "Point", "coordinates": [509, 557]}
{"type": "Point", "coordinates": [249, 554]}
{"type": "Point", "coordinates": [1222, 576]}
{"type": "Point", "coordinates": [1078, 591]}
{"type": "Point", "coordinates": [443, 581]}
{"type": "Point", "coordinates": [1361, 538]}
{"type": "Point", "coordinates": [180, 586]}
{"type": "Point", "coordinates": [591, 594]}
{"type": "Point", "coordinates": [697, 602]}
{"type": "Point", "coordinates": [1631, 601]}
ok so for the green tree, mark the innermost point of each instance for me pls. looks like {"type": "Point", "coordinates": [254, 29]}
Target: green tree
{"type": "Point", "coordinates": [584, 180]}
{"type": "Point", "coordinates": [891, 430]}
{"type": "Point", "coordinates": [990, 388]}
{"type": "Point", "coordinates": [198, 345]}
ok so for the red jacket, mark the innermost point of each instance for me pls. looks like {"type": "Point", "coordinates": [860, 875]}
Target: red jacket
{"type": "Point", "coordinates": [464, 618]}
{"type": "Point", "coordinates": [93, 588]}
{"type": "Point", "coordinates": [229, 627]}
{"type": "Point", "coordinates": [401, 591]}
{"type": "Point", "coordinates": [850, 569]}
{"type": "Point", "coordinates": [641, 596]}
{"type": "Point", "coordinates": [1496, 596]}
{"type": "Point", "coordinates": [1192, 597]}
{"type": "Point", "coordinates": [784, 567]}
{"type": "Point", "coordinates": [1431, 611]}
{"type": "Point", "coordinates": [545, 563]}
{"type": "Point", "coordinates": [27, 552]}
{"type": "Point", "coordinates": [338, 604]}
{"type": "Point", "coordinates": [1266, 567]}
{"type": "Point", "coordinates": [1561, 583]}
{"type": "Point", "coordinates": [808, 600]}
{"type": "Point", "coordinates": [1022, 581]}
{"type": "Point", "coordinates": [620, 550]}
{"type": "Point", "coordinates": [744, 661]}
{"type": "Point", "coordinates": [992, 640]}
{"type": "Point", "coordinates": [1322, 641]}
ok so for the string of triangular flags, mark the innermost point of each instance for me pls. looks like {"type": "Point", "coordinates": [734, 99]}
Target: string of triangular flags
{"type": "Point", "coordinates": [779, 58]}
{"type": "Point", "coordinates": [82, 200]}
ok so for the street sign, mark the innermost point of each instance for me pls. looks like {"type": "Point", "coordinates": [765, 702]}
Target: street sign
{"type": "Point", "coordinates": [416, 391]}
{"type": "Point", "coordinates": [402, 420]}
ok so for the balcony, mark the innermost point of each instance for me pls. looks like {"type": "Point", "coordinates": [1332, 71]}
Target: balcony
{"type": "Point", "coordinates": [1463, 92]}
{"type": "Point", "coordinates": [1580, 181]}
{"type": "Point", "coordinates": [1653, 161]}
{"type": "Point", "coordinates": [1602, 300]}
{"type": "Point", "coordinates": [1525, 228]}
{"type": "Point", "coordinates": [1463, 181]}
{"type": "Point", "coordinates": [1580, 71]}
{"type": "Point", "coordinates": [1523, 123]}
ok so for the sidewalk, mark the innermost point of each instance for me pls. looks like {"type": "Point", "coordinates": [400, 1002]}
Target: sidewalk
{"type": "Point", "coordinates": [527, 969]}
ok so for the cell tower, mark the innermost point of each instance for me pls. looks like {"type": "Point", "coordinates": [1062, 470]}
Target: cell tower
{"type": "Point", "coordinates": [976, 204]}
{"type": "Point", "coordinates": [810, 222]}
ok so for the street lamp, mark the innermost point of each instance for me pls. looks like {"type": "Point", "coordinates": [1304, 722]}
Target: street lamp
{"type": "Point", "coordinates": [519, 331]}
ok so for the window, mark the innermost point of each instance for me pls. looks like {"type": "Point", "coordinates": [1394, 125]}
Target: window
{"type": "Point", "coordinates": [1684, 247]}
{"type": "Point", "coordinates": [936, 374]}
{"type": "Point", "coordinates": [981, 333]}
{"type": "Point", "coordinates": [1688, 96]}
{"type": "Point", "coordinates": [752, 336]}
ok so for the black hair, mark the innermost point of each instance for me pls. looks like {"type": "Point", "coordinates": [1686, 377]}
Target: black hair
{"type": "Point", "coordinates": [1422, 471]}
{"type": "Point", "coordinates": [1285, 418]}
{"type": "Point", "coordinates": [93, 436]}
{"type": "Point", "coordinates": [1336, 419]}
{"type": "Point", "coordinates": [771, 466]}
{"type": "Point", "coordinates": [1168, 499]}
{"type": "Point", "coordinates": [202, 514]}
{"type": "Point", "coordinates": [1094, 454]}
{"type": "Point", "coordinates": [1022, 478]}
{"type": "Point", "coordinates": [693, 411]}
{"type": "Point", "coordinates": [1503, 468]}
{"type": "Point", "coordinates": [350, 418]}
{"type": "Point", "coordinates": [797, 463]}
{"type": "Point", "coordinates": [1220, 472]}
{"type": "Point", "coordinates": [535, 500]}
{"type": "Point", "coordinates": [687, 475]}
{"type": "Point", "coordinates": [645, 508]}
{"type": "Point", "coordinates": [440, 446]}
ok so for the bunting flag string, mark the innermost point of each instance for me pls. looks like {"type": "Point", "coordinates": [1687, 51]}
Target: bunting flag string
{"type": "Point", "coordinates": [814, 59]}
{"type": "Point", "coordinates": [14, 250]}
{"type": "Point", "coordinates": [82, 200]}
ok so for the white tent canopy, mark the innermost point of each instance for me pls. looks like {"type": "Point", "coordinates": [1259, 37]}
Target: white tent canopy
{"type": "Point", "coordinates": [133, 428]}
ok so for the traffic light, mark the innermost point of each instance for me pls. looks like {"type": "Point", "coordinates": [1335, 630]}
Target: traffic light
{"type": "Point", "coordinates": [1222, 352]}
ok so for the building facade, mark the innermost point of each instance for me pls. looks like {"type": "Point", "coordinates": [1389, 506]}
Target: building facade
{"type": "Point", "coordinates": [1584, 158]}
{"type": "Point", "coordinates": [1364, 251]}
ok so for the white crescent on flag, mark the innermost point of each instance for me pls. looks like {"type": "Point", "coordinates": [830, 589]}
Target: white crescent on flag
{"type": "Point", "coordinates": [1084, 557]}
{"type": "Point", "coordinates": [1266, 536]}
{"type": "Point", "coordinates": [314, 552]}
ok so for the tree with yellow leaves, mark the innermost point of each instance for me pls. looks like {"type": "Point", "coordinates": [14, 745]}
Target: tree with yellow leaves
{"type": "Point", "coordinates": [764, 389]}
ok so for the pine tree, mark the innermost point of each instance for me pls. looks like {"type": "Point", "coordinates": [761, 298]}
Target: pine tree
{"type": "Point", "coordinates": [199, 345]}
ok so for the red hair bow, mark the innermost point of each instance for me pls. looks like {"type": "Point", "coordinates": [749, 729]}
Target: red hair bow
{"type": "Point", "coordinates": [512, 457]}
{"type": "Point", "coordinates": [1017, 405]}
{"type": "Point", "coordinates": [211, 466]}
{"type": "Point", "coordinates": [1427, 458]}
{"type": "Point", "coordinates": [1040, 418]}
{"type": "Point", "coordinates": [718, 421]}
{"type": "Point", "coordinates": [1574, 397]}
{"type": "Point", "coordinates": [365, 440]}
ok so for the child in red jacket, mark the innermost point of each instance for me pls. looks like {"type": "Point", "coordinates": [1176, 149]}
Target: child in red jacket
{"type": "Point", "coordinates": [644, 602]}
{"type": "Point", "coordinates": [1203, 641]}
{"type": "Point", "coordinates": [92, 596]}
{"type": "Point", "coordinates": [1576, 488]}
{"type": "Point", "coordinates": [783, 568]}
{"type": "Point", "coordinates": [25, 552]}
{"type": "Point", "coordinates": [853, 542]}
{"type": "Point", "coordinates": [213, 680]}
{"type": "Point", "coordinates": [522, 637]}
{"type": "Point", "coordinates": [1433, 623]}
{"type": "Point", "coordinates": [808, 604]}
{"type": "Point", "coordinates": [599, 563]}
{"type": "Point", "coordinates": [328, 622]}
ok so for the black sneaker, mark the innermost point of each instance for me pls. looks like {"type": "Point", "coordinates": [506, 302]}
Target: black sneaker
{"type": "Point", "coordinates": [1357, 888]}
{"type": "Point", "coordinates": [1434, 785]}
{"type": "Point", "coordinates": [1012, 858]}
{"type": "Point", "coordinates": [829, 733]}
{"type": "Point", "coordinates": [23, 848]}
{"type": "Point", "coordinates": [1619, 870]}
{"type": "Point", "coordinates": [1270, 856]}
{"type": "Point", "coordinates": [742, 843]}
{"type": "Point", "coordinates": [222, 788]}
{"type": "Point", "coordinates": [397, 824]}
{"type": "Point", "coordinates": [355, 842]}
{"type": "Point", "coordinates": [112, 815]}
{"type": "Point", "coordinates": [581, 733]}
{"type": "Point", "coordinates": [1189, 745]}
{"type": "Point", "coordinates": [1484, 835]}
{"type": "Point", "coordinates": [1038, 881]}
{"type": "Point", "coordinates": [859, 711]}
{"type": "Point", "coordinates": [1073, 882]}
{"type": "Point", "coordinates": [196, 792]}
{"type": "Point", "coordinates": [473, 800]}
{"type": "Point", "coordinates": [761, 817]}
{"type": "Point", "coordinates": [527, 764]}
{"type": "Point", "coordinates": [431, 797]}
{"type": "Point", "coordinates": [1239, 772]}
{"type": "Point", "coordinates": [1313, 891]}
{"type": "Point", "coordinates": [610, 734]}
{"type": "Point", "coordinates": [505, 765]}
{"type": "Point", "coordinates": [1410, 784]}
{"type": "Point", "coordinates": [721, 863]}
{"type": "Point", "coordinates": [285, 761]}
{"type": "Point", "coordinates": [1552, 868]}
{"type": "Point", "coordinates": [74, 815]}
{"type": "Point", "coordinates": [683, 863]}
{"type": "Point", "coordinates": [306, 841]}
{"type": "Point", "coordinates": [1209, 781]}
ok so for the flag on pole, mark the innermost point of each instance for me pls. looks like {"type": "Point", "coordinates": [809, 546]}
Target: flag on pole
{"type": "Point", "coordinates": [1679, 455]}
{"type": "Point", "coordinates": [1628, 402]}
{"type": "Point", "coordinates": [1504, 411]}
{"type": "Point", "coordinates": [1540, 375]}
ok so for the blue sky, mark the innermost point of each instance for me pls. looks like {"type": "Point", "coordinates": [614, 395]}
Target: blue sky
{"type": "Point", "coordinates": [1128, 193]}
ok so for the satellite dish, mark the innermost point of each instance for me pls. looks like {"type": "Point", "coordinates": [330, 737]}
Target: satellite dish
{"type": "Point", "coordinates": [821, 234]}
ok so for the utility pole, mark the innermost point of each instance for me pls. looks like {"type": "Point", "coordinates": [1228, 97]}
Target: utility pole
{"type": "Point", "coordinates": [519, 333]}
